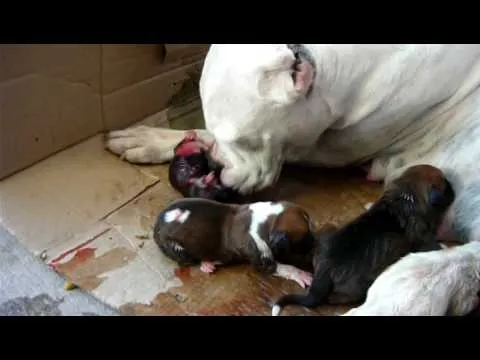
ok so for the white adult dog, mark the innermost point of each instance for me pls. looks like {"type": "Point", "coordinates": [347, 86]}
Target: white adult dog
{"type": "Point", "coordinates": [334, 105]}
{"type": "Point", "coordinates": [432, 283]}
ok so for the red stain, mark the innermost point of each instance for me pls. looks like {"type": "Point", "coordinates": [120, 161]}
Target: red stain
{"type": "Point", "coordinates": [183, 273]}
{"type": "Point", "coordinates": [80, 256]}
{"type": "Point", "coordinates": [84, 254]}
{"type": "Point", "coordinates": [62, 255]}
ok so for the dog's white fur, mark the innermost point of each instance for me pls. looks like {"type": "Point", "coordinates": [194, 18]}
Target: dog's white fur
{"type": "Point", "coordinates": [397, 105]}
{"type": "Point", "coordinates": [432, 283]}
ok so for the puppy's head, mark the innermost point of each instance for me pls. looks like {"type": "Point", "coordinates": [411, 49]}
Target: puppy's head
{"type": "Point", "coordinates": [292, 233]}
{"type": "Point", "coordinates": [190, 145]}
{"type": "Point", "coordinates": [259, 101]}
{"type": "Point", "coordinates": [422, 189]}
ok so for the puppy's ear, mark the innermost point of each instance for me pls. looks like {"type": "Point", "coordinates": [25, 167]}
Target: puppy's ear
{"type": "Point", "coordinates": [279, 242]}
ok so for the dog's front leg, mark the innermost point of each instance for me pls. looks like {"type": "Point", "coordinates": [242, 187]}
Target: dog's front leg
{"type": "Point", "coordinates": [148, 145]}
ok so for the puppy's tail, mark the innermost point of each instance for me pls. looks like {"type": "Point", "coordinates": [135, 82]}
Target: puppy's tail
{"type": "Point", "coordinates": [321, 286]}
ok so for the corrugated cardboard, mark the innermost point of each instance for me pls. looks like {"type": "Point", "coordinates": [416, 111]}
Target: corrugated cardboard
{"type": "Point", "coordinates": [143, 98]}
{"type": "Point", "coordinates": [53, 96]}
{"type": "Point", "coordinates": [125, 65]}
{"type": "Point", "coordinates": [50, 98]}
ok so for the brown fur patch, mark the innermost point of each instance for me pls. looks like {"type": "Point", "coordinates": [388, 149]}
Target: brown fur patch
{"type": "Point", "coordinates": [294, 221]}
{"type": "Point", "coordinates": [422, 177]}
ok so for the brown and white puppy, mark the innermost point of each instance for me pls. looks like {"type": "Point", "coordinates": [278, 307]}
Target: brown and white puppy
{"type": "Point", "coordinates": [276, 237]}
{"type": "Point", "coordinates": [404, 220]}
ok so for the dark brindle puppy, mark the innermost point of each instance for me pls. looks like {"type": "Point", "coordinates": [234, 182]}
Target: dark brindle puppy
{"type": "Point", "coordinates": [194, 173]}
{"type": "Point", "coordinates": [403, 220]}
{"type": "Point", "coordinates": [276, 237]}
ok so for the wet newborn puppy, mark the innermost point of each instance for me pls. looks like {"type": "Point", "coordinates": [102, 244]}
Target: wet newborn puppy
{"type": "Point", "coordinates": [403, 220]}
{"type": "Point", "coordinates": [276, 237]}
{"type": "Point", "coordinates": [194, 173]}
{"type": "Point", "coordinates": [433, 283]}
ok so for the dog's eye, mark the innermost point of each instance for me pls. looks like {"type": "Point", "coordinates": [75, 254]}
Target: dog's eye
{"type": "Point", "coordinates": [435, 196]}
{"type": "Point", "coordinates": [280, 240]}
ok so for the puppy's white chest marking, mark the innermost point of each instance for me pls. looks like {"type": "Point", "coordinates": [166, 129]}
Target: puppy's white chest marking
{"type": "Point", "coordinates": [260, 212]}
{"type": "Point", "coordinates": [176, 215]}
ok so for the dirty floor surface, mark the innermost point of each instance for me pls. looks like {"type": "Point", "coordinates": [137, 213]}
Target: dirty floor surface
{"type": "Point", "coordinates": [91, 215]}
{"type": "Point", "coordinates": [28, 287]}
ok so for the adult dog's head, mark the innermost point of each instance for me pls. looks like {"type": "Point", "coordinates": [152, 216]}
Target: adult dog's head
{"type": "Point", "coordinates": [260, 102]}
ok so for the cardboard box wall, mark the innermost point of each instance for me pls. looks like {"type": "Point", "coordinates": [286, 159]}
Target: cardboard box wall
{"type": "Point", "coordinates": [53, 96]}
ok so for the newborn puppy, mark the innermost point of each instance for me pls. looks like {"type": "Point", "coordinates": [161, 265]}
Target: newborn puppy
{"type": "Point", "coordinates": [433, 283]}
{"type": "Point", "coordinates": [403, 220]}
{"type": "Point", "coordinates": [194, 173]}
{"type": "Point", "coordinates": [276, 237]}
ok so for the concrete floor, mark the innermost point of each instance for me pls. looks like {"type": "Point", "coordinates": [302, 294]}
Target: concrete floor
{"type": "Point", "coordinates": [29, 288]}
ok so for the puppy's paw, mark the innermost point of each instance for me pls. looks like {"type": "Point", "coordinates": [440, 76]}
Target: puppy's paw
{"type": "Point", "coordinates": [302, 278]}
{"type": "Point", "coordinates": [207, 267]}
{"type": "Point", "coordinates": [290, 272]}
{"type": "Point", "coordinates": [144, 144]}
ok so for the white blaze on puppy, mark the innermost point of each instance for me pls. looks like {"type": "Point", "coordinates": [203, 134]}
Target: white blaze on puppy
{"type": "Point", "coordinates": [184, 216]}
{"type": "Point", "coordinates": [176, 215]}
{"type": "Point", "coordinates": [260, 213]}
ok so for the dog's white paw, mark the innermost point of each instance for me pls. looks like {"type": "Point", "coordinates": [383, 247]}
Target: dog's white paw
{"type": "Point", "coordinates": [144, 144]}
